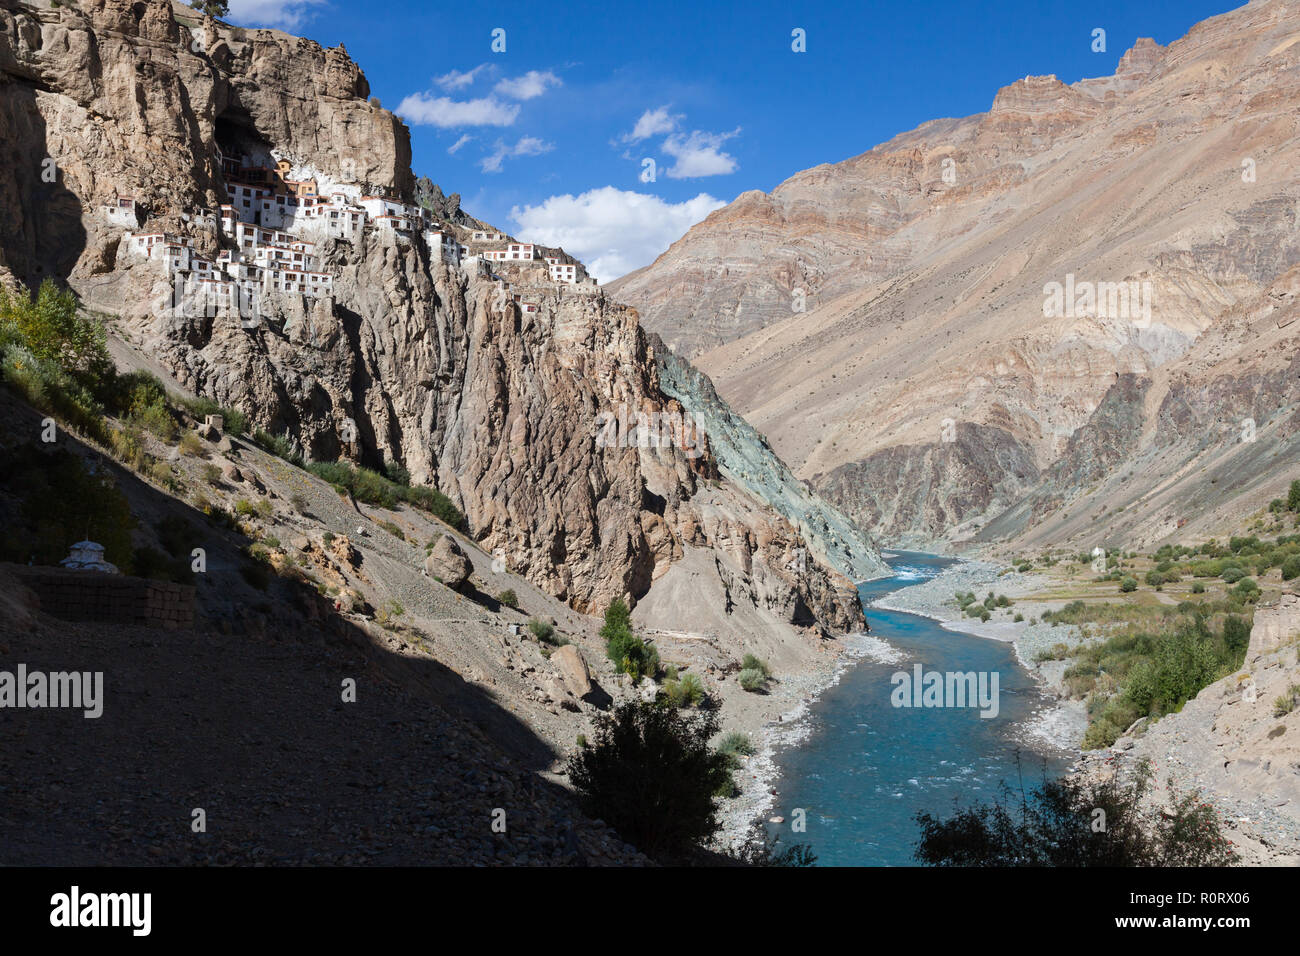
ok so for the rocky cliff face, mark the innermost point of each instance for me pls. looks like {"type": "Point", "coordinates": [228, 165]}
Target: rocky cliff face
{"type": "Point", "coordinates": [925, 388]}
{"type": "Point", "coordinates": [499, 407]}
{"type": "Point", "coordinates": [744, 456]}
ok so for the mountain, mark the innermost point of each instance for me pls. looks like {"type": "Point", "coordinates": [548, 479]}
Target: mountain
{"type": "Point", "coordinates": [918, 330]}
{"type": "Point", "coordinates": [482, 378]}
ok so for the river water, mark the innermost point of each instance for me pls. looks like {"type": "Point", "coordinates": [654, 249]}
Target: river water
{"type": "Point", "coordinates": [867, 767]}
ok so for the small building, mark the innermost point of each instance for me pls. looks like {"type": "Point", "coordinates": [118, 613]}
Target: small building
{"type": "Point", "coordinates": [123, 211]}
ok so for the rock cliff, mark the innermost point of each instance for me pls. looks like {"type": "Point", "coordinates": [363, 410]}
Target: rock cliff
{"type": "Point", "coordinates": [410, 361]}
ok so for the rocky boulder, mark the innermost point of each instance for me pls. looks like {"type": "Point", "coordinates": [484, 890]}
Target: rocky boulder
{"type": "Point", "coordinates": [448, 563]}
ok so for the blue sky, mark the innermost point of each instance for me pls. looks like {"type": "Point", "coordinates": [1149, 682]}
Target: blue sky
{"type": "Point", "coordinates": [549, 139]}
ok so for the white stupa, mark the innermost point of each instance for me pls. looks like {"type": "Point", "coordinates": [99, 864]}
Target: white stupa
{"type": "Point", "coordinates": [88, 556]}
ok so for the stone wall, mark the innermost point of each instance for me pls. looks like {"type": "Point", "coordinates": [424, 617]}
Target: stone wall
{"type": "Point", "coordinates": [113, 598]}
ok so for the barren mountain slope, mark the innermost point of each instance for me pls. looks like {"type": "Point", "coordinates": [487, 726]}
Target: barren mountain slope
{"type": "Point", "coordinates": [925, 390]}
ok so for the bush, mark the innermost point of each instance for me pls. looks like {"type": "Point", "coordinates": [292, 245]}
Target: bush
{"type": "Point", "coordinates": [1128, 585]}
{"type": "Point", "coordinates": [753, 680]}
{"type": "Point", "coordinates": [1236, 634]}
{"type": "Point", "coordinates": [651, 774]}
{"type": "Point", "coordinates": [392, 529]}
{"type": "Point", "coordinates": [1286, 703]}
{"type": "Point", "coordinates": [1053, 826]}
{"type": "Point", "coordinates": [279, 445]}
{"type": "Point", "coordinates": [687, 691]}
{"type": "Point", "coordinates": [1291, 568]}
{"type": "Point", "coordinates": [1292, 497]}
{"type": "Point", "coordinates": [630, 654]}
{"type": "Point", "coordinates": [736, 744]}
{"type": "Point", "coordinates": [509, 598]}
{"type": "Point", "coordinates": [50, 327]}
{"type": "Point", "coordinates": [62, 502]}
{"type": "Point", "coordinates": [541, 630]}
{"type": "Point", "coordinates": [750, 662]}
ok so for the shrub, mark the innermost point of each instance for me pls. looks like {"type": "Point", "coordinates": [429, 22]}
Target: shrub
{"type": "Point", "coordinates": [63, 502]}
{"type": "Point", "coordinates": [753, 680]}
{"type": "Point", "coordinates": [1291, 568]}
{"type": "Point", "coordinates": [762, 849]}
{"type": "Point", "coordinates": [1054, 826]}
{"type": "Point", "coordinates": [630, 654]}
{"type": "Point", "coordinates": [509, 598]}
{"type": "Point", "coordinates": [1293, 496]}
{"type": "Point", "coordinates": [256, 573]}
{"type": "Point", "coordinates": [687, 691]}
{"type": "Point", "coordinates": [750, 662]}
{"type": "Point", "coordinates": [392, 529]}
{"type": "Point", "coordinates": [1198, 588]}
{"type": "Point", "coordinates": [544, 631]}
{"type": "Point", "coordinates": [651, 774]}
{"type": "Point", "coordinates": [1287, 702]}
{"type": "Point", "coordinates": [279, 445]}
{"type": "Point", "coordinates": [191, 444]}
{"type": "Point", "coordinates": [1128, 585]}
{"type": "Point", "coordinates": [51, 328]}
{"type": "Point", "coordinates": [1236, 634]}
{"type": "Point", "coordinates": [736, 743]}
{"type": "Point", "coordinates": [151, 563]}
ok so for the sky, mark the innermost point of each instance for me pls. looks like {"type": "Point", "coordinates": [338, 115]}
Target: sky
{"type": "Point", "coordinates": [611, 128]}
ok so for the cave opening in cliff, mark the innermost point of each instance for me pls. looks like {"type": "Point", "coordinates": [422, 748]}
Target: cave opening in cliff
{"type": "Point", "coordinates": [241, 145]}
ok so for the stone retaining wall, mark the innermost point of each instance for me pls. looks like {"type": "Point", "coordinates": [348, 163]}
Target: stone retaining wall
{"type": "Point", "coordinates": [114, 598]}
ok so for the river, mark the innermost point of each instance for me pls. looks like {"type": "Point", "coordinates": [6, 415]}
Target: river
{"type": "Point", "coordinates": [867, 767]}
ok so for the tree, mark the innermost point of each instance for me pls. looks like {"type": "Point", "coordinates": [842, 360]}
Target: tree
{"type": "Point", "coordinates": [1236, 634]}
{"type": "Point", "coordinates": [651, 774]}
{"type": "Point", "coordinates": [1128, 584]}
{"type": "Point", "coordinates": [1293, 496]}
{"type": "Point", "coordinates": [213, 8]}
{"type": "Point", "coordinates": [53, 332]}
{"type": "Point", "coordinates": [1070, 822]}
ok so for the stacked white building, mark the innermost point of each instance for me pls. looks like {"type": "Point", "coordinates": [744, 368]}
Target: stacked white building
{"type": "Point", "coordinates": [275, 223]}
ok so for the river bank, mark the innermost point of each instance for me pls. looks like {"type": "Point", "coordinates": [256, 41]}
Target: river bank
{"type": "Point", "coordinates": [795, 695]}
{"type": "Point", "coordinates": [1060, 722]}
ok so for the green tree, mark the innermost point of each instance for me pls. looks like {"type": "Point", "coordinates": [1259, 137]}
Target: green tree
{"type": "Point", "coordinates": [1056, 826]}
{"type": "Point", "coordinates": [1293, 496]}
{"type": "Point", "coordinates": [51, 329]}
{"type": "Point", "coordinates": [213, 8]}
{"type": "Point", "coordinates": [651, 774]}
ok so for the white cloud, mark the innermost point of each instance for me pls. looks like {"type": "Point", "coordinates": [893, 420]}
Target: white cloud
{"type": "Point", "coordinates": [451, 150]}
{"type": "Point", "coordinates": [652, 123]}
{"type": "Point", "coordinates": [272, 13]}
{"type": "Point", "coordinates": [527, 146]}
{"type": "Point", "coordinates": [529, 86]}
{"type": "Point", "coordinates": [447, 113]}
{"type": "Point", "coordinates": [612, 230]}
{"type": "Point", "coordinates": [699, 154]}
{"type": "Point", "coordinates": [457, 80]}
